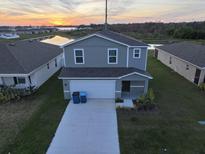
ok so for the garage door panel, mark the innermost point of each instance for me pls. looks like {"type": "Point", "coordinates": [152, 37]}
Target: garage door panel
{"type": "Point", "coordinates": [94, 88]}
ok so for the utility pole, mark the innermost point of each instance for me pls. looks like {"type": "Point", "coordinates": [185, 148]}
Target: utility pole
{"type": "Point", "coordinates": [105, 14]}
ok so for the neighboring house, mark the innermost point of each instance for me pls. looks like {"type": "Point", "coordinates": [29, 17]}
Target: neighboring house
{"type": "Point", "coordinates": [28, 63]}
{"type": "Point", "coordinates": [185, 58]}
{"type": "Point", "coordinates": [57, 40]}
{"type": "Point", "coordinates": [105, 65]}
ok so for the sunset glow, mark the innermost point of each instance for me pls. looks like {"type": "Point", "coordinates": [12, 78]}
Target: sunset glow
{"type": "Point", "coordinates": [74, 12]}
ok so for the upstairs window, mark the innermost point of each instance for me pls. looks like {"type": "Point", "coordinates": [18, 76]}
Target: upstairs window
{"type": "Point", "coordinates": [112, 56]}
{"type": "Point", "coordinates": [79, 56]}
{"type": "Point", "coordinates": [137, 53]}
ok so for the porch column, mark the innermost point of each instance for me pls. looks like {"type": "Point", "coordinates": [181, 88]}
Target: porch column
{"type": "Point", "coordinates": [146, 86]}
{"type": "Point", "coordinates": [118, 88]}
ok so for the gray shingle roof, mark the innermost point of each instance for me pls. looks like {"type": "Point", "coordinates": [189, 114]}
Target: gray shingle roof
{"type": "Point", "coordinates": [25, 56]}
{"type": "Point", "coordinates": [121, 38]}
{"type": "Point", "coordinates": [99, 72]}
{"type": "Point", "coordinates": [191, 52]}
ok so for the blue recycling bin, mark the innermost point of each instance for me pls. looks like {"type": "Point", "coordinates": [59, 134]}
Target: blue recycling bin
{"type": "Point", "coordinates": [76, 97]}
{"type": "Point", "coordinates": [83, 97]}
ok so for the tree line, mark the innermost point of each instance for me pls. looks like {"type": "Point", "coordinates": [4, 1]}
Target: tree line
{"type": "Point", "coordinates": [185, 30]}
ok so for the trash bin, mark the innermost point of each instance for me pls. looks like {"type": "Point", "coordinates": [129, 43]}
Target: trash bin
{"type": "Point", "coordinates": [76, 97]}
{"type": "Point", "coordinates": [83, 97]}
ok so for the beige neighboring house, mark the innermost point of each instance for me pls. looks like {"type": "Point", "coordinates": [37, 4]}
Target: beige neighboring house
{"type": "Point", "coordinates": [185, 58]}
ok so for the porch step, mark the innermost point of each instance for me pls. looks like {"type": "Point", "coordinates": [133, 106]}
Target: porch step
{"type": "Point", "coordinates": [127, 104]}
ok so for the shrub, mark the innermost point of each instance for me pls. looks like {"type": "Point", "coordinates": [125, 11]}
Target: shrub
{"type": "Point", "coordinates": [150, 96]}
{"type": "Point", "coordinates": [142, 99]}
{"type": "Point", "coordinates": [147, 101]}
{"type": "Point", "coordinates": [9, 93]}
{"type": "Point", "coordinates": [202, 86]}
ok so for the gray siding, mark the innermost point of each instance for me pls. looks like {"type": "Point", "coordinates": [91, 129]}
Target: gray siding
{"type": "Point", "coordinates": [95, 51]}
{"type": "Point", "coordinates": [96, 54]}
{"type": "Point", "coordinates": [138, 63]}
{"type": "Point", "coordinates": [136, 80]}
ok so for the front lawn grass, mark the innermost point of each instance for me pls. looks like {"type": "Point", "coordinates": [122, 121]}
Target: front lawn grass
{"type": "Point", "coordinates": [174, 130]}
{"type": "Point", "coordinates": [36, 135]}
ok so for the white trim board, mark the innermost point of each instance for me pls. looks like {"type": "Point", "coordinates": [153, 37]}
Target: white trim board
{"type": "Point", "coordinates": [100, 78]}
{"type": "Point", "coordinates": [136, 74]}
{"type": "Point", "coordinates": [87, 78]}
{"type": "Point", "coordinates": [137, 86]}
{"type": "Point", "coordinates": [128, 50]}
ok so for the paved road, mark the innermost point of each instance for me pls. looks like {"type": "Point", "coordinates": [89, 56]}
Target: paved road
{"type": "Point", "coordinates": [89, 128]}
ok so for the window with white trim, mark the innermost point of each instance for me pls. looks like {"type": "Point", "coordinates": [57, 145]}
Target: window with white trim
{"type": "Point", "coordinates": [79, 56]}
{"type": "Point", "coordinates": [112, 56]}
{"type": "Point", "coordinates": [136, 53]}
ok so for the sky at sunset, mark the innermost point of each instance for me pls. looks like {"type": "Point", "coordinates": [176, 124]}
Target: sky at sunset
{"type": "Point", "coordinates": [74, 12]}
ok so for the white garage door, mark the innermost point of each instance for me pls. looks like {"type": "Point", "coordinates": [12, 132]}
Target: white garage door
{"type": "Point", "coordinates": [94, 88]}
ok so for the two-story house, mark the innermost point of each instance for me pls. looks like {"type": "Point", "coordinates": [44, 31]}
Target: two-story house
{"type": "Point", "coordinates": [105, 65]}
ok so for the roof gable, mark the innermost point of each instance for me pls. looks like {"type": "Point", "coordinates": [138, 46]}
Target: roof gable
{"type": "Point", "coordinates": [113, 37]}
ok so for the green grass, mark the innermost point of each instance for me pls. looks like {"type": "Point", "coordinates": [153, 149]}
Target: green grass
{"type": "Point", "coordinates": [38, 132]}
{"type": "Point", "coordinates": [175, 127]}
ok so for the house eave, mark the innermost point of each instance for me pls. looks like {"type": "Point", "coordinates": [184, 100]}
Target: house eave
{"type": "Point", "coordinates": [101, 36]}
{"type": "Point", "coordinates": [104, 78]}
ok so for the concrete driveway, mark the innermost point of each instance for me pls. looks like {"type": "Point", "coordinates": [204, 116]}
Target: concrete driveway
{"type": "Point", "coordinates": [89, 128]}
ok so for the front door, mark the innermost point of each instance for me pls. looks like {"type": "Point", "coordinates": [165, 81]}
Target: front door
{"type": "Point", "coordinates": [125, 86]}
{"type": "Point", "coordinates": [197, 76]}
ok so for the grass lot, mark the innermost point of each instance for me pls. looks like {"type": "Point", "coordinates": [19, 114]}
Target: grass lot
{"type": "Point", "coordinates": [29, 125]}
{"type": "Point", "coordinates": [175, 127]}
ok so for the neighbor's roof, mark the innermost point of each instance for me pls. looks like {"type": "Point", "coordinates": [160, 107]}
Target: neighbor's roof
{"type": "Point", "coordinates": [104, 72]}
{"type": "Point", "coordinates": [188, 51]}
{"type": "Point", "coordinates": [57, 40]}
{"type": "Point", "coordinates": [23, 57]}
{"type": "Point", "coordinates": [116, 37]}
